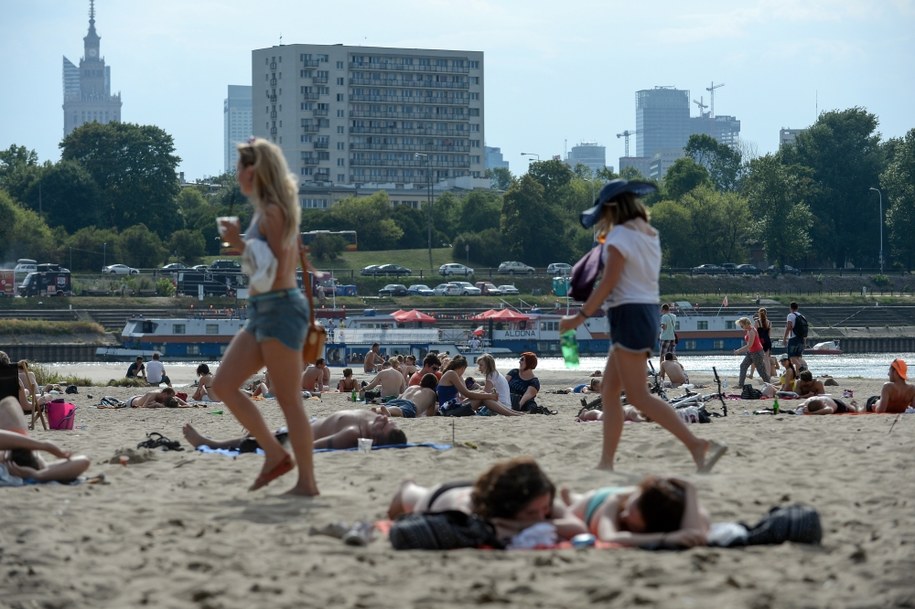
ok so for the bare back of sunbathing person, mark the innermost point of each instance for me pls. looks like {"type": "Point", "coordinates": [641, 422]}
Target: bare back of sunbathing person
{"type": "Point", "coordinates": [673, 370]}
{"type": "Point", "coordinates": [314, 377]}
{"type": "Point", "coordinates": [822, 404]}
{"type": "Point", "coordinates": [897, 394]}
{"type": "Point", "coordinates": [416, 400]}
{"type": "Point", "coordinates": [165, 398]}
{"type": "Point", "coordinates": [342, 429]}
{"type": "Point", "coordinates": [391, 381]}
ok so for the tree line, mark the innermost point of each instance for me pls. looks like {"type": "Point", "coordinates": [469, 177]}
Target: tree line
{"type": "Point", "coordinates": [115, 196]}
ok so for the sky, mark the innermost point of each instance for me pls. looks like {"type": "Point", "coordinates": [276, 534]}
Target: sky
{"type": "Point", "coordinates": [556, 73]}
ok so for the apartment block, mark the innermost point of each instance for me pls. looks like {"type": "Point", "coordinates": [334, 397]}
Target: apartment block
{"type": "Point", "coordinates": [236, 110]}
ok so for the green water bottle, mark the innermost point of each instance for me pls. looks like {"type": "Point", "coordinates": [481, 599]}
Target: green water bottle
{"type": "Point", "coordinates": [354, 395]}
{"type": "Point", "coordinates": [775, 406]}
{"type": "Point", "coordinates": [569, 348]}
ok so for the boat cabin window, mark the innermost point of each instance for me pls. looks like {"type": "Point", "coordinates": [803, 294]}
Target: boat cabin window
{"type": "Point", "coordinates": [718, 345]}
{"type": "Point", "coordinates": [212, 329]}
{"type": "Point", "coordinates": [193, 349]}
{"type": "Point", "coordinates": [178, 329]}
{"type": "Point", "coordinates": [549, 326]}
{"type": "Point", "coordinates": [148, 327]}
{"type": "Point", "coordinates": [702, 325]}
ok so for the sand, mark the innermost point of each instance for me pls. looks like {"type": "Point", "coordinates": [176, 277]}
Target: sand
{"type": "Point", "coordinates": [179, 529]}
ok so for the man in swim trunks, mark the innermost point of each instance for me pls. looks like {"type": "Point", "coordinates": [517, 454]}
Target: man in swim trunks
{"type": "Point", "coordinates": [416, 401]}
{"type": "Point", "coordinates": [339, 430]}
{"type": "Point", "coordinates": [808, 387]}
{"type": "Point", "coordinates": [165, 398]}
{"type": "Point", "coordinates": [897, 394]}
{"type": "Point", "coordinates": [390, 380]}
{"type": "Point", "coordinates": [822, 404]}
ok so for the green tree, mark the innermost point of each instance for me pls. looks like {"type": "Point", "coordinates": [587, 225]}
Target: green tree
{"type": "Point", "coordinates": [92, 248]}
{"type": "Point", "coordinates": [140, 247]}
{"type": "Point", "coordinates": [65, 196]}
{"type": "Point", "coordinates": [898, 183]}
{"type": "Point", "coordinates": [842, 150]}
{"type": "Point", "coordinates": [187, 245]}
{"type": "Point", "coordinates": [479, 211]}
{"type": "Point", "coordinates": [553, 176]}
{"type": "Point", "coordinates": [532, 229]}
{"type": "Point", "coordinates": [782, 219]}
{"type": "Point", "coordinates": [719, 224]}
{"type": "Point", "coordinates": [486, 247]}
{"type": "Point", "coordinates": [327, 247]}
{"type": "Point", "coordinates": [677, 247]}
{"type": "Point", "coordinates": [23, 234]}
{"type": "Point", "coordinates": [135, 169]}
{"type": "Point", "coordinates": [720, 161]}
{"type": "Point", "coordinates": [683, 176]}
{"type": "Point", "coordinates": [502, 178]}
{"type": "Point", "coordinates": [19, 169]}
{"type": "Point", "coordinates": [367, 215]}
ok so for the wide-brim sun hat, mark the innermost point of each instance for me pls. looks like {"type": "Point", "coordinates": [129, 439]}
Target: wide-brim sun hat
{"type": "Point", "coordinates": [609, 193]}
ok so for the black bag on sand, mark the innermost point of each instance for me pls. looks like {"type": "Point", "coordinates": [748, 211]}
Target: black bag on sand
{"type": "Point", "coordinates": [448, 530]}
{"type": "Point", "coordinates": [797, 523]}
{"type": "Point", "coordinates": [750, 393]}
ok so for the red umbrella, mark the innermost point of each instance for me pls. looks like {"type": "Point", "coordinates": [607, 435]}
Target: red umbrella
{"type": "Point", "coordinates": [508, 315]}
{"type": "Point", "coordinates": [479, 331]}
{"type": "Point", "coordinates": [412, 316]}
{"type": "Point", "coordinates": [484, 314]}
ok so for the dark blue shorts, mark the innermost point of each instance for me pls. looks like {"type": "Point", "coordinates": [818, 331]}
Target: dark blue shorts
{"type": "Point", "coordinates": [407, 408]}
{"type": "Point", "coordinates": [795, 346]}
{"type": "Point", "coordinates": [282, 315]}
{"type": "Point", "coordinates": [634, 327]}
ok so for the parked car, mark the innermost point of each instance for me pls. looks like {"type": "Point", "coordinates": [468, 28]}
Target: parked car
{"type": "Point", "coordinates": [370, 271]}
{"type": "Point", "coordinates": [559, 268]}
{"type": "Point", "coordinates": [392, 269]}
{"type": "Point", "coordinates": [467, 288]}
{"type": "Point", "coordinates": [747, 269]}
{"type": "Point", "coordinates": [393, 289]}
{"type": "Point", "coordinates": [487, 287]}
{"type": "Point", "coordinates": [787, 269]}
{"type": "Point", "coordinates": [513, 267]}
{"type": "Point", "coordinates": [211, 287]}
{"type": "Point", "coordinates": [420, 289]}
{"type": "Point", "coordinates": [200, 267]}
{"type": "Point", "coordinates": [453, 268]}
{"type": "Point", "coordinates": [225, 266]}
{"type": "Point", "coordinates": [173, 267]}
{"type": "Point", "coordinates": [120, 269]}
{"type": "Point", "coordinates": [708, 269]}
{"type": "Point", "coordinates": [447, 289]}
{"type": "Point", "coordinates": [508, 289]}
{"type": "Point", "coordinates": [729, 267]}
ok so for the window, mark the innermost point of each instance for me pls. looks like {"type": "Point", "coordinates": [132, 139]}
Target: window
{"type": "Point", "coordinates": [702, 325]}
{"type": "Point", "coordinates": [179, 329]}
{"type": "Point", "coordinates": [212, 329]}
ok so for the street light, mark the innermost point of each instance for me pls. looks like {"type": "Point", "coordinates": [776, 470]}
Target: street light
{"type": "Point", "coordinates": [425, 158]}
{"type": "Point", "coordinates": [880, 202]}
{"type": "Point", "coordinates": [534, 154]}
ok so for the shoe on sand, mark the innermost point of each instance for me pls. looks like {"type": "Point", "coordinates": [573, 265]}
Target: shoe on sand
{"type": "Point", "coordinates": [714, 452]}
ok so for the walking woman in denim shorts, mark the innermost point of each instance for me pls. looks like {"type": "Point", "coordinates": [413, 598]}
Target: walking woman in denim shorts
{"type": "Point", "coordinates": [277, 316]}
{"type": "Point", "coordinates": [629, 291]}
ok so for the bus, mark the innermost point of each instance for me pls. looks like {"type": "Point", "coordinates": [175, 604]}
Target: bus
{"type": "Point", "coordinates": [348, 236]}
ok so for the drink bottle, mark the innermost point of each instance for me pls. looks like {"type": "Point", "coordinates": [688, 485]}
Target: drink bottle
{"type": "Point", "coordinates": [569, 348]}
{"type": "Point", "coordinates": [354, 395]}
{"type": "Point", "coordinates": [775, 406]}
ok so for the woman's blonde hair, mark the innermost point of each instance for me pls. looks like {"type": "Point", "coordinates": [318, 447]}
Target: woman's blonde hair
{"type": "Point", "coordinates": [273, 183]}
{"type": "Point", "coordinates": [487, 364]}
{"type": "Point", "coordinates": [622, 208]}
{"type": "Point", "coordinates": [744, 321]}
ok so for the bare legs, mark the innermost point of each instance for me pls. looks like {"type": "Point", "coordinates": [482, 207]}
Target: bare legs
{"type": "Point", "coordinates": [625, 370]}
{"type": "Point", "coordinates": [243, 358]}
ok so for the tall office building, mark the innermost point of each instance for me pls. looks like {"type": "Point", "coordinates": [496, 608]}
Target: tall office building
{"type": "Point", "coordinates": [357, 116]}
{"type": "Point", "coordinates": [236, 111]}
{"type": "Point", "coordinates": [87, 89]}
{"type": "Point", "coordinates": [493, 158]}
{"type": "Point", "coordinates": [589, 154]}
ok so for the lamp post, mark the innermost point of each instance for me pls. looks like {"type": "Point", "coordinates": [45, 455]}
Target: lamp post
{"type": "Point", "coordinates": [880, 203]}
{"type": "Point", "coordinates": [533, 154]}
{"type": "Point", "coordinates": [425, 158]}
{"type": "Point", "coordinates": [104, 254]}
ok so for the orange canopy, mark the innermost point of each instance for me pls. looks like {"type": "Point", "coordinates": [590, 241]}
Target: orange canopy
{"type": "Point", "coordinates": [412, 316]}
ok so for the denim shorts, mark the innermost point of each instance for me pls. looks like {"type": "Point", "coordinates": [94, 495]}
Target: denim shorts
{"type": "Point", "coordinates": [282, 315]}
{"type": "Point", "coordinates": [795, 346]}
{"type": "Point", "coordinates": [635, 327]}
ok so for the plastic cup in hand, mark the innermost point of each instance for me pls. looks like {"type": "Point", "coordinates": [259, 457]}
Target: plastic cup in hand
{"type": "Point", "coordinates": [365, 445]}
{"type": "Point", "coordinates": [220, 220]}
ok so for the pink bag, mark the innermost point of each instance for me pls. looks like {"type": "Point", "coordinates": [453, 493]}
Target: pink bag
{"type": "Point", "coordinates": [60, 414]}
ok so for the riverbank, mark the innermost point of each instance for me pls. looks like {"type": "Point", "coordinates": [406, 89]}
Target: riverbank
{"type": "Point", "coordinates": [178, 529]}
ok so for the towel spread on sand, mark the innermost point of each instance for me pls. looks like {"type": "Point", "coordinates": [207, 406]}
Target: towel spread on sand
{"type": "Point", "coordinates": [234, 453]}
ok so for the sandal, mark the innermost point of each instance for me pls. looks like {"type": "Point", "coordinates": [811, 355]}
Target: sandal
{"type": "Point", "coordinates": [157, 440]}
{"type": "Point", "coordinates": [283, 467]}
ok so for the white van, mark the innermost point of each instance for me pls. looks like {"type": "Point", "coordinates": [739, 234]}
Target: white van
{"type": "Point", "coordinates": [24, 266]}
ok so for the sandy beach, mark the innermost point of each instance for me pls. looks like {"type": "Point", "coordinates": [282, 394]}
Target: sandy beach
{"type": "Point", "coordinates": [179, 529]}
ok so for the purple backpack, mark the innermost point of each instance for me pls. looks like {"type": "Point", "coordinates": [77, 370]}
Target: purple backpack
{"type": "Point", "coordinates": [586, 273]}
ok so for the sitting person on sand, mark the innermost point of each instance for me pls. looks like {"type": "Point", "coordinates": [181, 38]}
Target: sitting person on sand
{"type": "Point", "coordinates": [823, 404]}
{"type": "Point", "coordinates": [673, 370]}
{"type": "Point", "coordinates": [416, 401]}
{"type": "Point", "coordinates": [263, 388]}
{"type": "Point", "coordinates": [164, 398]}
{"type": "Point", "coordinates": [897, 394]}
{"type": "Point", "coordinates": [807, 386]}
{"type": "Point", "coordinates": [513, 495]}
{"type": "Point", "coordinates": [787, 379]}
{"type": "Point", "coordinates": [204, 393]}
{"type": "Point", "coordinates": [348, 383]}
{"type": "Point", "coordinates": [453, 392]}
{"type": "Point", "coordinates": [342, 429]}
{"type": "Point", "coordinates": [495, 382]}
{"type": "Point", "coordinates": [391, 382]}
{"type": "Point", "coordinates": [18, 451]}
{"type": "Point", "coordinates": [409, 367]}
{"type": "Point", "coordinates": [316, 377]}
{"type": "Point", "coordinates": [431, 364]}
{"type": "Point", "coordinates": [657, 511]}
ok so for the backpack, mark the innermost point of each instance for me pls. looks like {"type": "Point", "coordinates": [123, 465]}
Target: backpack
{"type": "Point", "coordinates": [750, 393]}
{"type": "Point", "coordinates": [586, 273]}
{"type": "Point", "coordinates": [448, 530]}
{"type": "Point", "coordinates": [801, 327]}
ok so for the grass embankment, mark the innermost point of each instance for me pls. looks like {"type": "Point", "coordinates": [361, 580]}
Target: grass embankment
{"type": "Point", "coordinates": [54, 328]}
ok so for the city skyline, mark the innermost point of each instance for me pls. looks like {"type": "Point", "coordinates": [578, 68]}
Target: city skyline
{"type": "Point", "coordinates": [556, 75]}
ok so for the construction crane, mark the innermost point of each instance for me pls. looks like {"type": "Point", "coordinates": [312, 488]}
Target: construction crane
{"type": "Point", "coordinates": [712, 91]}
{"type": "Point", "coordinates": [626, 135]}
{"type": "Point", "coordinates": [702, 106]}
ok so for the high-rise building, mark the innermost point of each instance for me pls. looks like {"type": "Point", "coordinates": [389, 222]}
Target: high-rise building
{"type": "Point", "coordinates": [589, 154]}
{"type": "Point", "coordinates": [787, 136]}
{"type": "Point", "coordinates": [87, 89]}
{"type": "Point", "coordinates": [236, 111]}
{"type": "Point", "coordinates": [493, 158]}
{"type": "Point", "coordinates": [366, 116]}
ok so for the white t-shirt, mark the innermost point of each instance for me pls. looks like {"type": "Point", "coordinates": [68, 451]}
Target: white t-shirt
{"type": "Point", "coordinates": [638, 282]}
{"type": "Point", "coordinates": [670, 332]}
{"type": "Point", "coordinates": [500, 386]}
{"type": "Point", "coordinates": [790, 319]}
{"type": "Point", "coordinates": [154, 371]}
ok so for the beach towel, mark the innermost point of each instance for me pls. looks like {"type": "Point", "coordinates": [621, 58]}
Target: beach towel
{"type": "Point", "coordinates": [234, 453]}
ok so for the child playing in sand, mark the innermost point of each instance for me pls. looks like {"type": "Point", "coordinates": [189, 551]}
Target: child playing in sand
{"type": "Point", "coordinates": [631, 251]}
